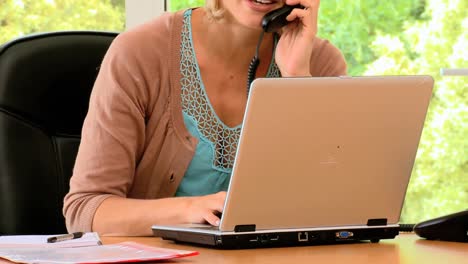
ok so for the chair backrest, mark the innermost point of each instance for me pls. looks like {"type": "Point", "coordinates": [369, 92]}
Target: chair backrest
{"type": "Point", "coordinates": [45, 83]}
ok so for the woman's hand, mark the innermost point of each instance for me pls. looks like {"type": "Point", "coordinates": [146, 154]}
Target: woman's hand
{"type": "Point", "coordinates": [294, 48]}
{"type": "Point", "coordinates": [203, 209]}
{"type": "Point", "coordinates": [119, 216]}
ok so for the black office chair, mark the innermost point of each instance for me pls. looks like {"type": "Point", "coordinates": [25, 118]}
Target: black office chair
{"type": "Point", "coordinates": [45, 84]}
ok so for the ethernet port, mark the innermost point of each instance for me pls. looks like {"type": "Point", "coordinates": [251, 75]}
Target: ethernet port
{"type": "Point", "coordinates": [303, 236]}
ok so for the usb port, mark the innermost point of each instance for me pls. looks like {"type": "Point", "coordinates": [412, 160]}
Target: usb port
{"type": "Point", "coordinates": [255, 239]}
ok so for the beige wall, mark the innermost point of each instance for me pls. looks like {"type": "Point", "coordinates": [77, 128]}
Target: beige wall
{"type": "Point", "coordinates": [139, 11]}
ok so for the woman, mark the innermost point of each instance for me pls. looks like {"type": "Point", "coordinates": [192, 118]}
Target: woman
{"type": "Point", "coordinates": [169, 95]}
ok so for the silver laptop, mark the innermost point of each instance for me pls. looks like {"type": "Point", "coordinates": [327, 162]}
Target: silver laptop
{"type": "Point", "coordinates": [319, 160]}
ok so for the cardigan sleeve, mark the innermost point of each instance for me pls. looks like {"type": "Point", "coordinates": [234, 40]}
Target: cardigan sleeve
{"type": "Point", "coordinates": [327, 60]}
{"type": "Point", "coordinates": [112, 137]}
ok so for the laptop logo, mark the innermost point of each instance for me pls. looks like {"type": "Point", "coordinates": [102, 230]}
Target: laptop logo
{"type": "Point", "coordinates": [332, 157]}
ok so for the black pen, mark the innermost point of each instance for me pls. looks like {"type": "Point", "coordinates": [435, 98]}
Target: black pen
{"type": "Point", "coordinates": [64, 237]}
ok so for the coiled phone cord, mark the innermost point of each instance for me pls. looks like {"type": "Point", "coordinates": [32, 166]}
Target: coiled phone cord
{"type": "Point", "coordinates": [254, 64]}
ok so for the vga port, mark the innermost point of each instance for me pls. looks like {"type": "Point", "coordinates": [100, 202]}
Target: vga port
{"type": "Point", "coordinates": [344, 234]}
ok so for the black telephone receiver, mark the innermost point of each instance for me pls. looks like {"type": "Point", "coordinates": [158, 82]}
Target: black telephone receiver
{"type": "Point", "coordinates": [271, 22]}
{"type": "Point", "coordinates": [276, 19]}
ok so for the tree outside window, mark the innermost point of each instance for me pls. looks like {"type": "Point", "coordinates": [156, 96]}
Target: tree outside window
{"type": "Point", "coordinates": [23, 17]}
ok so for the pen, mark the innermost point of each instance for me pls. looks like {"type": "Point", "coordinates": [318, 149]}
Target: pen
{"type": "Point", "coordinates": [64, 237]}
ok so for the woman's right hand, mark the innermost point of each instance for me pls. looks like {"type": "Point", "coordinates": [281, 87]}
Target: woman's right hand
{"type": "Point", "coordinates": [119, 216]}
{"type": "Point", "coordinates": [203, 209]}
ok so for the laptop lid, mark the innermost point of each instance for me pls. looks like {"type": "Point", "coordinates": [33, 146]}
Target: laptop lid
{"type": "Point", "coordinates": [325, 152]}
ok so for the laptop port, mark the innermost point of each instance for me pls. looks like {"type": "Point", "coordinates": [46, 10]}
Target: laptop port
{"type": "Point", "coordinates": [302, 236]}
{"type": "Point", "coordinates": [274, 238]}
{"type": "Point", "coordinates": [254, 239]}
{"type": "Point", "coordinates": [344, 234]}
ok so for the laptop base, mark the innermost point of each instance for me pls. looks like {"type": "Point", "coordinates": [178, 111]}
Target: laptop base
{"type": "Point", "coordinates": [278, 239]}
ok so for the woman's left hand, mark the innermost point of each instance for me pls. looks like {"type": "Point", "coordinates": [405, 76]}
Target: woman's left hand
{"type": "Point", "coordinates": [295, 46]}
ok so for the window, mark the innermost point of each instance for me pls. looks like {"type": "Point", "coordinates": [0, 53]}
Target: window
{"type": "Point", "coordinates": [23, 17]}
{"type": "Point", "coordinates": [181, 4]}
{"type": "Point", "coordinates": [411, 37]}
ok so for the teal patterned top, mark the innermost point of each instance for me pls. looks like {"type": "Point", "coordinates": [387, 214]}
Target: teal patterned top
{"type": "Point", "coordinates": [211, 166]}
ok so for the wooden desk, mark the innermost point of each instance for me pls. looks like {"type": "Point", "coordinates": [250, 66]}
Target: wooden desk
{"type": "Point", "coordinates": [406, 248]}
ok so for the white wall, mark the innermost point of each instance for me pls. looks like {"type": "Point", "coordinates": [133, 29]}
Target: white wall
{"type": "Point", "coordinates": [139, 11]}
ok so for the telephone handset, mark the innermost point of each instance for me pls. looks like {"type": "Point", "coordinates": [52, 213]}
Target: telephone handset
{"type": "Point", "coordinates": [276, 19]}
{"type": "Point", "coordinates": [271, 22]}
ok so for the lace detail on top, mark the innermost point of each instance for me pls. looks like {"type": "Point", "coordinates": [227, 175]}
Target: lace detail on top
{"type": "Point", "coordinates": [195, 103]}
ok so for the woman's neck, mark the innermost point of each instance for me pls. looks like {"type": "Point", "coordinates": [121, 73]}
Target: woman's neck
{"type": "Point", "coordinates": [228, 41]}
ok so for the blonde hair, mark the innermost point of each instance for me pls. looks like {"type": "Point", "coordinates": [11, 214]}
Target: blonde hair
{"type": "Point", "coordinates": [214, 10]}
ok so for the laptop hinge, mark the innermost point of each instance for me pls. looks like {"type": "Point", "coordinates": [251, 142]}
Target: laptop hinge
{"type": "Point", "coordinates": [377, 222]}
{"type": "Point", "coordinates": [244, 228]}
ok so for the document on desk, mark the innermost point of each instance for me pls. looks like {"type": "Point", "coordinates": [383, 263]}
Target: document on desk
{"type": "Point", "coordinates": [126, 252]}
{"type": "Point", "coordinates": [40, 241]}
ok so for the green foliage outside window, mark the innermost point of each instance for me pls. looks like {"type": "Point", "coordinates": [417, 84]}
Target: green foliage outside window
{"type": "Point", "coordinates": [23, 17]}
{"type": "Point", "coordinates": [412, 37]}
{"type": "Point", "coordinates": [439, 182]}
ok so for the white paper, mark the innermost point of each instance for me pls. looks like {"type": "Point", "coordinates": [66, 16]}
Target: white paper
{"type": "Point", "coordinates": [40, 241]}
{"type": "Point", "coordinates": [115, 253]}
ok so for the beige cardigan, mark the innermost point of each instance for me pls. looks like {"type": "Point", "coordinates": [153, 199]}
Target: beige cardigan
{"type": "Point", "coordinates": [134, 142]}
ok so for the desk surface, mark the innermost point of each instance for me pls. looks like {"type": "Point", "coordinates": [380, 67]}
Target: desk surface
{"type": "Point", "coordinates": [406, 248]}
